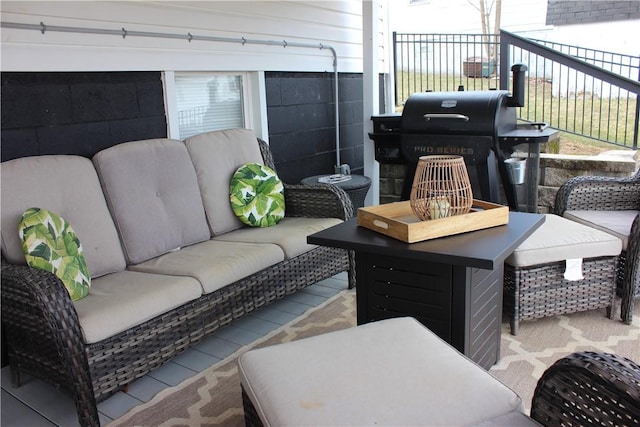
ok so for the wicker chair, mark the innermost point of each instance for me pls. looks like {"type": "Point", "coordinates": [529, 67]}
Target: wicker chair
{"type": "Point", "coordinates": [588, 389]}
{"type": "Point", "coordinates": [589, 193]}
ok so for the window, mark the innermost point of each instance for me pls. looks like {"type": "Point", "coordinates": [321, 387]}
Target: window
{"type": "Point", "coordinates": [208, 101]}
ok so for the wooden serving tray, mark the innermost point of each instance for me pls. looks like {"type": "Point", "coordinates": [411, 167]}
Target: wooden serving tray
{"type": "Point", "coordinates": [398, 221]}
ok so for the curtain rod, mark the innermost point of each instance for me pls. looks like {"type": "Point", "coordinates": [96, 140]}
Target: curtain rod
{"type": "Point", "coordinates": [124, 33]}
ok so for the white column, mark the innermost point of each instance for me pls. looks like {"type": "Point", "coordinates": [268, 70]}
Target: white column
{"type": "Point", "coordinates": [370, 46]}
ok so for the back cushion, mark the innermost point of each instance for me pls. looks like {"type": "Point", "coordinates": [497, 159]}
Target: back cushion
{"type": "Point", "coordinates": [152, 192]}
{"type": "Point", "coordinates": [216, 156]}
{"type": "Point", "coordinates": [69, 186]}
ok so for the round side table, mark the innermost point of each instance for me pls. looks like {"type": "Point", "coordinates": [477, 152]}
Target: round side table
{"type": "Point", "coordinates": [356, 188]}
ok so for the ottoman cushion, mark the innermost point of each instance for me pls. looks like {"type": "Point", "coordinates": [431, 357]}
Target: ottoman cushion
{"type": "Point", "coordinates": [559, 239]}
{"type": "Point", "coordinates": [617, 223]}
{"type": "Point", "coordinates": [390, 372]}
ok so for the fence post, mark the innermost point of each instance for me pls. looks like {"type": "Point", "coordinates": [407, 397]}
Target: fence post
{"type": "Point", "coordinates": [504, 61]}
{"type": "Point", "coordinates": [395, 70]}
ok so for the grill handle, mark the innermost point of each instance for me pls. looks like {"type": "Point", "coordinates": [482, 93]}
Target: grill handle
{"type": "Point", "coordinates": [430, 116]}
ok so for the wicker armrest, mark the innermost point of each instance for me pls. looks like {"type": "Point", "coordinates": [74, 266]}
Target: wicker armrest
{"type": "Point", "coordinates": [317, 201]}
{"type": "Point", "coordinates": [589, 388]}
{"type": "Point", "coordinates": [598, 193]}
{"type": "Point", "coordinates": [311, 201]}
{"type": "Point", "coordinates": [42, 330]}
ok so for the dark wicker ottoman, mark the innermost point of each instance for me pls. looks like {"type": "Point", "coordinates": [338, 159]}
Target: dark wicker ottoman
{"type": "Point", "coordinates": [534, 275]}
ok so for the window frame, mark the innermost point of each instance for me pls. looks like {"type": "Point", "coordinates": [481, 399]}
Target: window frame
{"type": "Point", "coordinates": [253, 100]}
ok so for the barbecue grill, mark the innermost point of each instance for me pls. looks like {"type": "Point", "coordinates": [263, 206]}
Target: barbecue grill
{"type": "Point", "coordinates": [480, 126]}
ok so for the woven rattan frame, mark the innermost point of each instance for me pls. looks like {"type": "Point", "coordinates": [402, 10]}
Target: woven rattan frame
{"type": "Point", "coordinates": [44, 337]}
{"type": "Point", "coordinates": [540, 291]}
{"type": "Point", "coordinates": [588, 389]}
{"type": "Point", "coordinates": [610, 194]}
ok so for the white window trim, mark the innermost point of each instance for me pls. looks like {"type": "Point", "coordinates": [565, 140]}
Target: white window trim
{"type": "Point", "coordinates": [254, 102]}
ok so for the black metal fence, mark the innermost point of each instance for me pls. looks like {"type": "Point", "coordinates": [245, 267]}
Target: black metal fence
{"type": "Point", "coordinates": [582, 91]}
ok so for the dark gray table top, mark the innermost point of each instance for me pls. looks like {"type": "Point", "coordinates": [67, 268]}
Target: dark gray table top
{"type": "Point", "coordinates": [487, 248]}
{"type": "Point", "coordinates": [356, 181]}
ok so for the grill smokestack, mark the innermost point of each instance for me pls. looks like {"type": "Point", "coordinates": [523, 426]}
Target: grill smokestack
{"type": "Point", "coordinates": [517, 97]}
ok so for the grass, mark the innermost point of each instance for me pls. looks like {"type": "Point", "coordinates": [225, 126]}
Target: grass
{"type": "Point", "coordinates": [590, 123]}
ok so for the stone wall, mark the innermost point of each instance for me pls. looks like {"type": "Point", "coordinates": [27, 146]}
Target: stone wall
{"type": "Point", "coordinates": [555, 169]}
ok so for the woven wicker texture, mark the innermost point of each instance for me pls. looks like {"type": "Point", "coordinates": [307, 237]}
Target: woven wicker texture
{"type": "Point", "coordinates": [539, 291]}
{"type": "Point", "coordinates": [44, 337]}
{"type": "Point", "coordinates": [441, 188]}
{"type": "Point", "coordinates": [610, 194]}
{"type": "Point", "coordinates": [589, 389]}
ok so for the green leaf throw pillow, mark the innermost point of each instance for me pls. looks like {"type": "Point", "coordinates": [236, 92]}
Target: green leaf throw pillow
{"type": "Point", "coordinates": [49, 243]}
{"type": "Point", "coordinates": [257, 195]}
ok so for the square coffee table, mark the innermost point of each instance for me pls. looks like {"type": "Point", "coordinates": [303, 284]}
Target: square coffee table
{"type": "Point", "coordinates": [453, 285]}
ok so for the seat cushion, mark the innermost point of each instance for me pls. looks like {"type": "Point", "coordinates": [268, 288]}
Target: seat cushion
{"type": "Point", "coordinates": [617, 223]}
{"type": "Point", "coordinates": [122, 300]}
{"type": "Point", "coordinates": [290, 234]}
{"type": "Point", "coordinates": [68, 186]}
{"type": "Point", "coordinates": [559, 239]}
{"type": "Point", "coordinates": [152, 191]}
{"type": "Point", "coordinates": [214, 171]}
{"type": "Point", "coordinates": [390, 372]}
{"type": "Point", "coordinates": [215, 264]}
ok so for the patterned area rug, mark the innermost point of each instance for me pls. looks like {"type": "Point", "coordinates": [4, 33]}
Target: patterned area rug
{"type": "Point", "coordinates": [213, 397]}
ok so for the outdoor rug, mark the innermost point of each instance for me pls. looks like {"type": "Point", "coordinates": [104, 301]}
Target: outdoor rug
{"type": "Point", "coordinates": [213, 397]}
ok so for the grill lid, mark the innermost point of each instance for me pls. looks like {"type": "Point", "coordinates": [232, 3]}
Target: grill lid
{"type": "Point", "coordinates": [462, 113]}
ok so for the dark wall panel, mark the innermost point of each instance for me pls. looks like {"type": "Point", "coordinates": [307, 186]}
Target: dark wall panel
{"type": "Point", "coordinates": [83, 113]}
{"type": "Point", "coordinates": [301, 115]}
{"type": "Point", "coordinates": [79, 113]}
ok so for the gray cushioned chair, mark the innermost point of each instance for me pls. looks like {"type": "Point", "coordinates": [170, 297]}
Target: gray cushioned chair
{"type": "Point", "coordinates": [612, 205]}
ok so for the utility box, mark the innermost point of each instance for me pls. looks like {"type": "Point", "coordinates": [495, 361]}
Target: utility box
{"type": "Point", "coordinates": [477, 67]}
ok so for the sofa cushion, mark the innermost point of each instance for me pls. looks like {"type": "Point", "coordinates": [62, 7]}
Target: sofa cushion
{"type": "Point", "coordinates": [50, 243]}
{"type": "Point", "coordinates": [214, 171]}
{"type": "Point", "coordinates": [215, 264]}
{"type": "Point", "coordinates": [617, 223]}
{"type": "Point", "coordinates": [152, 191]}
{"type": "Point", "coordinates": [122, 300]}
{"type": "Point", "coordinates": [290, 234]}
{"type": "Point", "coordinates": [559, 239]}
{"type": "Point", "coordinates": [257, 195]}
{"type": "Point", "coordinates": [399, 372]}
{"type": "Point", "coordinates": [69, 186]}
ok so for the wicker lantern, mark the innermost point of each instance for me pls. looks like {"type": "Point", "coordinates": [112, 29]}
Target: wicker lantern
{"type": "Point", "coordinates": [441, 188]}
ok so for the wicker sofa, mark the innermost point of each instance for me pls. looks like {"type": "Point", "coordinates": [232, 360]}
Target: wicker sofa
{"type": "Point", "coordinates": [612, 205]}
{"type": "Point", "coordinates": [170, 263]}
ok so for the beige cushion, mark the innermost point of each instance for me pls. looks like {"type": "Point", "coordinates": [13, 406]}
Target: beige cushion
{"type": "Point", "coordinates": [290, 234]}
{"type": "Point", "coordinates": [512, 419]}
{"type": "Point", "coordinates": [390, 372]}
{"type": "Point", "coordinates": [68, 186]}
{"type": "Point", "coordinates": [559, 239]}
{"type": "Point", "coordinates": [216, 156]}
{"type": "Point", "coordinates": [617, 223]}
{"type": "Point", "coordinates": [215, 264]}
{"type": "Point", "coordinates": [120, 301]}
{"type": "Point", "coordinates": [152, 192]}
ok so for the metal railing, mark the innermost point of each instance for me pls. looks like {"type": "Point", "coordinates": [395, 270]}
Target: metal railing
{"type": "Point", "coordinates": [581, 91]}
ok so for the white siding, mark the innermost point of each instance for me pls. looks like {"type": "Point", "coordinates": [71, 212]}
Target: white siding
{"type": "Point", "coordinates": [336, 24]}
{"type": "Point", "coordinates": [461, 17]}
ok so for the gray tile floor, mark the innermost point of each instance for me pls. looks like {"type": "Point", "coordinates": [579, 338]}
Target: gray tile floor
{"type": "Point", "coordinates": [36, 403]}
